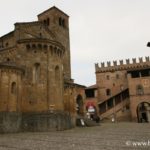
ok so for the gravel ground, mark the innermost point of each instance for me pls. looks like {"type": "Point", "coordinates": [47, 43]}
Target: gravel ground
{"type": "Point", "coordinates": [107, 136]}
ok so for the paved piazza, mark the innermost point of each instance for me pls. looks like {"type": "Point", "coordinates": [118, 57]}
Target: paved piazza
{"type": "Point", "coordinates": [107, 136]}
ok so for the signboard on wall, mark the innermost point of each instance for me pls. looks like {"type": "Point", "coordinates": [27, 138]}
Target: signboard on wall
{"type": "Point", "coordinates": [91, 109]}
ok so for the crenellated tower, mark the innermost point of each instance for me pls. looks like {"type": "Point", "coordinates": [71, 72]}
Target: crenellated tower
{"type": "Point", "coordinates": [130, 64]}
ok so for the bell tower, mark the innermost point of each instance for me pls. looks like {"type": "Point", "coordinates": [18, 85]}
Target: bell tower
{"type": "Point", "coordinates": [58, 23]}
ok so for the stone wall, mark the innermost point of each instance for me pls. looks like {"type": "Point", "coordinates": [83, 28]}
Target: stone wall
{"type": "Point", "coordinates": [10, 122]}
{"type": "Point", "coordinates": [46, 121]}
{"type": "Point", "coordinates": [19, 122]}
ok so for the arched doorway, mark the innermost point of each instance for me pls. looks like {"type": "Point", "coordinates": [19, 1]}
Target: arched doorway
{"type": "Point", "coordinates": [79, 105]}
{"type": "Point", "coordinates": [143, 112]}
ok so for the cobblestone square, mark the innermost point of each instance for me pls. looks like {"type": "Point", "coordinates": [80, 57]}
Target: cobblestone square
{"type": "Point", "coordinates": [107, 136]}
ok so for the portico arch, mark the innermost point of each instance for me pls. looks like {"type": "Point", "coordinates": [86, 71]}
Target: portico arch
{"type": "Point", "coordinates": [79, 105]}
{"type": "Point", "coordinates": [143, 112]}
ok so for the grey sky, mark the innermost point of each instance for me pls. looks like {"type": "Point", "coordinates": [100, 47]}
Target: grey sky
{"type": "Point", "coordinates": [100, 30]}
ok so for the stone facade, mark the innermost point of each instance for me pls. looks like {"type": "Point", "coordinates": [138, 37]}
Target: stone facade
{"type": "Point", "coordinates": [34, 69]}
{"type": "Point", "coordinates": [124, 90]}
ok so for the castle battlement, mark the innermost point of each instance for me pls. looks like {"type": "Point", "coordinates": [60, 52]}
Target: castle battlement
{"type": "Point", "coordinates": [127, 65]}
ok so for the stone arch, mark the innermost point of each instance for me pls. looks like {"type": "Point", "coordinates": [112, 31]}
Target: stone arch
{"type": "Point", "coordinates": [79, 105]}
{"type": "Point", "coordinates": [143, 112]}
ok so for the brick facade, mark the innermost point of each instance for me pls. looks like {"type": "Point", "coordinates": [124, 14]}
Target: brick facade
{"type": "Point", "coordinates": [123, 88]}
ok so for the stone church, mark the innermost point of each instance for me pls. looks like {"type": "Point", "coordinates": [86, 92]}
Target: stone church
{"type": "Point", "coordinates": [36, 89]}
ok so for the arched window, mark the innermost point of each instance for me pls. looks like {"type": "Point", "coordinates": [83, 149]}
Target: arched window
{"type": "Point", "coordinates": [45, 47]}
{"type": "Point", "coordinates": [139, 90]}
{"type": "Point", "coordinates": [45, 22]}
{"type": "Point", "coordinates": [107, 77]}
{"type": "Point", "coordinates": [36, 73]}
{"type": "Point", "coordinates": [57, 75]}
{"type": "Point", "coordinates": [13, 88]}
{"type": "Point", "coordinates": [28, 46]}
{"type": "Point", "coordinates": [40, 35]}
{"type": "Point", "coordinates": [108, 92]}
{"type": "Point", "coordinates": [33, 46]}
{"type": "Point", "coordinates": [117, 76]}
{"type": "Point", "coordinates": [8, 59]}
{"type": "Point", "coordinates": [39, 46]}
{"type": "Point", "coordinates": [7, 44]}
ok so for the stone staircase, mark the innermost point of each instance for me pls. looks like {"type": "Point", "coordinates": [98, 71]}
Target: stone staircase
{"type": "Point", "coordinates": [119, 111]}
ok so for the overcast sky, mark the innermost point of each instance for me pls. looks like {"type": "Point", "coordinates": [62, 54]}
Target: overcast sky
{"type": "Point", "coordinates": [100, 30]}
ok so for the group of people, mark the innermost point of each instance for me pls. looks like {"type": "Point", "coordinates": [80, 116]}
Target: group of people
{"type": "Point", "coordinates": [93, 117]}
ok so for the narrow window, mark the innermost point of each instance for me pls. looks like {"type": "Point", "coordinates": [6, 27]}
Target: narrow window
{"type": "Point", "coordinates": [39, 46]}
{"type": "Point", "coordinates": [60, 21]}
{"type": "Point", "coordinates": [117, 76]}
{"type": "Point", "coordinates": [45, 22]}
{"type": "Point", "coordinates": [57, 75]}
{"type": "Point", "coordinates": [13, 88]}
{"type": "Point", "coordinates": [63, 22]}
{"type": "Point", "coordinates": [139, 90]}
{"type": "Point", "coordinates": [107, 77]}
{"type": "Point", "coordinates": [33, 46]}
{"type": "Point", "coordinates": [27, 46]}
{"type": "Point", "coordinates": [40, 35]}
{"type": "Point", "coordinates": [7, 44]}
{"type": "Point", "coordinates": [45, 47]}
{"type": "Point", "coordinates": [8, 59]}
{"type": "Point", "coordinates": [108, 92]}
{"type": "Point", "coordinates": [36, 73]}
